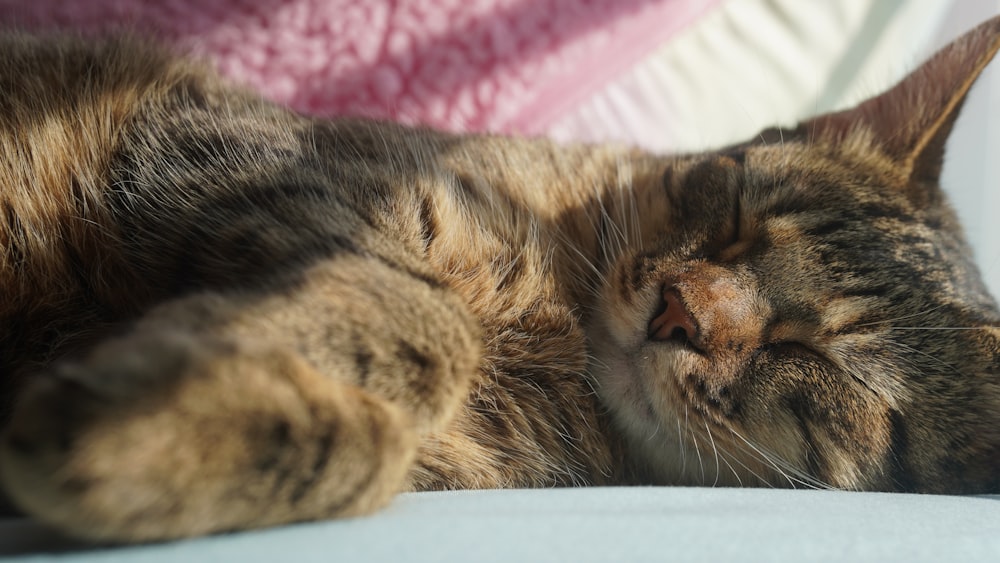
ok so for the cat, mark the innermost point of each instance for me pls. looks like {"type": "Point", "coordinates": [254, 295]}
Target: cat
{"type": "Point", "coordinates": [220, 315]}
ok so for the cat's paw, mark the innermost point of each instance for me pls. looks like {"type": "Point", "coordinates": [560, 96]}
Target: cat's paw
{"type": "Point", "coordinates": [163, 435]}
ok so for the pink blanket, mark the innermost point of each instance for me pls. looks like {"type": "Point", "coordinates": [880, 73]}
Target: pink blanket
{"type": "Point", "coordinates": [498, 65]}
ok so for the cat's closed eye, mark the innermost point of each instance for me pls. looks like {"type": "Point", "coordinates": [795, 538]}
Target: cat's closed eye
{"type": "Point", "coordinates": [788, 350]}
{"type": "Point", "coordinates": [740, 236]}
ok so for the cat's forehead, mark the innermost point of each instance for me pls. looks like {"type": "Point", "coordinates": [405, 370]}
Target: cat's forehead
{"type": "Point", "coordinates": [829, 226]}
{"type": "Point", "coordinates": [851, 190]}
{"type": "Point", "coordinates": [853, 167]}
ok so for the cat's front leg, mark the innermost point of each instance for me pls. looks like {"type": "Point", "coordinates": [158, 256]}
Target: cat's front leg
{"type": "Point", "coordinates": [234, 412]}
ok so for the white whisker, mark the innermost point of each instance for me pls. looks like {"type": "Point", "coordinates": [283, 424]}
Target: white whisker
{"type": "Point", "coordinates": [895, 319]}
{"type": "Point", "coordinates": [942, 327]}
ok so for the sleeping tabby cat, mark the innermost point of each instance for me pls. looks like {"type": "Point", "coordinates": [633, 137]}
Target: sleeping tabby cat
{"type": "Point", "coordinates": [216, 314]}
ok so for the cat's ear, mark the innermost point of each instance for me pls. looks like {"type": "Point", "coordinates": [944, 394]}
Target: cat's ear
{"type": "Point", "coordinates": [911, 121]}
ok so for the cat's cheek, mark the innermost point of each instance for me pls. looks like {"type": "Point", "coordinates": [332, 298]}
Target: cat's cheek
{"type": "Point", "coordinates": [625, 315]}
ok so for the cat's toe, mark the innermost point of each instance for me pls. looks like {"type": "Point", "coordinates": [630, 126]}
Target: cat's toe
{"type": "Point", "coordinates": [39, 447]}
{"type": "Point", "coordinates": [97, 447]}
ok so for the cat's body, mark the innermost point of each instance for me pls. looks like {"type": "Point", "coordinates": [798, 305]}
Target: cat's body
{"type": "Point", "coordinates": [216, 314]}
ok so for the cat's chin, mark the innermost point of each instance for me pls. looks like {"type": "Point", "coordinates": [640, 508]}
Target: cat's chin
{"type": "Point", "coordinates": [636, 381]}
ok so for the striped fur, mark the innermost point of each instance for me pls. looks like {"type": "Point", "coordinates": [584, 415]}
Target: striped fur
{"type": "Point", "coordinates": [219, 315]}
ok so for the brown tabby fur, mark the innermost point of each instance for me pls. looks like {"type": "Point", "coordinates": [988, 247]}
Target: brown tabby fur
{"type": "Point", "coordinates": [216, 314]}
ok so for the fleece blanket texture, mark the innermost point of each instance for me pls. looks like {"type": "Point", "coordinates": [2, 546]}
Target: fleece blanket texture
{"type": "Point", "coordinates": [496, 65]}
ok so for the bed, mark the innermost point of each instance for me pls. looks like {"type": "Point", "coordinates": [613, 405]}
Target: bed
{"type": "Point", "coordinates": [670, 75]}
{"type": "Point", "coordinates": [598, 524]}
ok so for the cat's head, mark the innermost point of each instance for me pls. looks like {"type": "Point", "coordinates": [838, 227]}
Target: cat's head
{"type": "Point", "coordinates": [810, 313]}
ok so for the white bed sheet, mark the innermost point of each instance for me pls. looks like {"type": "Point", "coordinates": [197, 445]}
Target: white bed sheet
{"type": "Point", "coordinates": [597, 524]}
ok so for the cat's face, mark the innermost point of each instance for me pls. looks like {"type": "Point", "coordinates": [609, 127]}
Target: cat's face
{"type": "Point", "coordinates": [809, 314]}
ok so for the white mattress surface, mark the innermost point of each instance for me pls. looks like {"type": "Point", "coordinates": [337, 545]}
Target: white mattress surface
{"type": "Point", "coordinates": [595, 524]}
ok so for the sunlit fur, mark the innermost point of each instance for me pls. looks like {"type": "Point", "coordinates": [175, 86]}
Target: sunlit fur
{"type": "Point", "coordinates": [216, 314]}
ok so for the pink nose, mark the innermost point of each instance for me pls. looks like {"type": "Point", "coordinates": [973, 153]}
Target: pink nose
{"type": "Point", "coordinates": [675, 321]}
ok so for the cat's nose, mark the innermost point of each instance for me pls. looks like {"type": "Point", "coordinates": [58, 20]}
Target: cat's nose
{"type": "Point", "coordinates": [674, 322]}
